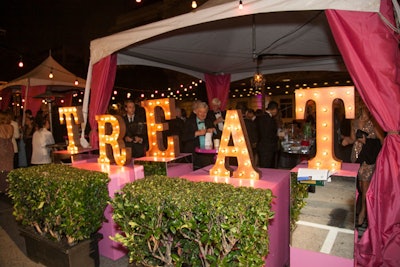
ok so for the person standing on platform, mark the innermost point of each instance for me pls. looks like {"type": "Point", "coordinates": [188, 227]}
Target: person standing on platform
{"type": "Point", "coordinates": [194, 134]}
{"type": "Point", "coordinates": [41, 139]}
{"type": "Point", "coordinates": [366, 123]}
{"type": "Point", "coordinates": [267, 128]}
{"type": "Point", "coordinates": [136, 130]}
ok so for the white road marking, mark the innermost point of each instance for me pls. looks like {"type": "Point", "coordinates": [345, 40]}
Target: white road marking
{"type": "Point", "coordinates": [331, 236]}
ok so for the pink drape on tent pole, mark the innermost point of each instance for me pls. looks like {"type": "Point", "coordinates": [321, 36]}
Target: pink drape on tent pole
{"type": "Point", "coordinates": [33, 103]}
{"type": "Point", "coordinates": [5, 98]}
{"type": "Point", "coordinates": [103, 77]}
{"type": "Point", "coordinates": [218, 87]}
{"type": "Point", "coordinates": [371, 53]}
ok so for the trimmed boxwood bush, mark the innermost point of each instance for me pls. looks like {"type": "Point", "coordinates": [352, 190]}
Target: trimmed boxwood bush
{"type": "Point", "coordinates": [298, 193]}
{"type": "Point", "coordinates": [59, 201]}
{"type": "Point", "coordinates": [174, 222]}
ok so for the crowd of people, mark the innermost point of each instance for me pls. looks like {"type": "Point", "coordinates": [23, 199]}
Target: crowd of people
{"type": "Point", "coordinates": [24, 145]}
{"type": "Point", "coordinates": [204, 121]}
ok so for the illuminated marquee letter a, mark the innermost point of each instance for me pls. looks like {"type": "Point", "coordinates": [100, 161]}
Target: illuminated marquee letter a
{"type": "Point", "coordinates": [233, 126]}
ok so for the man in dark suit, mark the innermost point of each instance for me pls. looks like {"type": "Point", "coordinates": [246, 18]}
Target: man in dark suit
{"type": "Point", "coordinates": [267, 146]}
{"type": "Point", "coordinates": [217, 116]}
{"type": "Point", "coordinates": [251, 127]}
{"type": "Point", "coordinates": [176, 126]}
{"type": "Point", "coordinates": [136, 130]}
{"type": "Point", "coordinates": [194, 133]}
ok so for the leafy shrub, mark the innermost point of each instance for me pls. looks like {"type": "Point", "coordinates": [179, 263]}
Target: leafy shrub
{"type": "Point", "coordinates": [297, 195]}
{"type": "Point", "coordinates": [171, 222]}
{"type": "Point", "coordinates": [58, 200]}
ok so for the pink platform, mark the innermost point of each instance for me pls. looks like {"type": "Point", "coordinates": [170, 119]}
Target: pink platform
{"type": "Point", "coordinates": [279, 182]}
{"type": "Point", "coordinates": [307, 258]}
{"type": "Point", "coordinates": [347, 170]}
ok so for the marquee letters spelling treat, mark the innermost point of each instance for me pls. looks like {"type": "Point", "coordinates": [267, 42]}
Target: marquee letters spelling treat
{"type": "Point", "coordinates": [156, 110]}
{"type": "Point", "coordinates": [324, 97]}
{"type": "Point", "coordinates": [234, 126]}
{"type": "Point", "coordinates": [111, 132]}
{"type": "Point", "coordinates": [73, 118]}
{"type": "Point", "coordinates": [112, 129]}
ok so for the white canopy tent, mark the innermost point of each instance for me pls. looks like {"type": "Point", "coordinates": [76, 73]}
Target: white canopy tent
{"type": "Point", "coordinates": [40, 76]}
{"type": "Point", "coordinates": [220, 38]}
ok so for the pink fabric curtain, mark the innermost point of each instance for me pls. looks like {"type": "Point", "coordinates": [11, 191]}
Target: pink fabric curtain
{"type": "Point", "coordinates": [103, 77]}
{"type": "Point", "coordinates": [218, 87]}
{"type": "Point", "coordinates": [6, 98]}
{"type": "Point", "coordinates": [33, 103]}
{"type": "Point", "coordinates": [371, 53]}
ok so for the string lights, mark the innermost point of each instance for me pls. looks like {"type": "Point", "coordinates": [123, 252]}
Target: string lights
{"type": "Point", "coordinates": [51, 76]}
{"type": "Point", "coordinates": [240, 4]}
{"type": "Point", "coordinates": [194, 4]}
{"type": "Point", "coordinates": [20, 63]}
{"type": "Point", "coordinates": [180, 92]}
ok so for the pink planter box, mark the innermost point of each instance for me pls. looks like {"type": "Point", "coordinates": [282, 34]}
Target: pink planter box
{"type": "Point", "coordinates": [279, 182]}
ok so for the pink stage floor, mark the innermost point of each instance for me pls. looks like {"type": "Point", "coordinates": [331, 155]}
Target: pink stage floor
{"type": "Point", "coordinates": [307, 258]}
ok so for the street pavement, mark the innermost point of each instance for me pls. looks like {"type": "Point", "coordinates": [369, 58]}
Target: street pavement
{"type": "Point", "coordinates": [326, 223]}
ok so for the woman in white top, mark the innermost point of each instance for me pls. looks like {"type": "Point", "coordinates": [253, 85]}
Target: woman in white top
{"type": "Point", "coordinates": [41, 138]}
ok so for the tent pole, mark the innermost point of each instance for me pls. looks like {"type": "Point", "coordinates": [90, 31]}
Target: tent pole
{"type": "Point", "coordinates": [85, 107]}
{"type": "Point", "coordinates": [50, 116]}
{"type": "Point", "coordinates": [26, 103]}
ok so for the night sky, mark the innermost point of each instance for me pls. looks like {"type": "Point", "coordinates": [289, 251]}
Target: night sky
{"type": "Point", "coordinates": [30, 29]}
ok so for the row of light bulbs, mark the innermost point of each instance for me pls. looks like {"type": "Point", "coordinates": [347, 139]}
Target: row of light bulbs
{"type": "Point", "coordinates": [194, 3]}
{"type": "Point", "coordinates": [51, 74]}
{"type": "Point", "coordinates": [254, 92]}
{"type": "Point", "coordinates": [178, 94]}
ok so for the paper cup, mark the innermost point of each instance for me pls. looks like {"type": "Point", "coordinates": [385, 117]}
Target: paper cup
{"type": "Point", "coordinates": [216, 143]}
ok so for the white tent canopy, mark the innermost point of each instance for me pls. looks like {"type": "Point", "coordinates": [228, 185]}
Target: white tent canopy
{"type": "Point", "coordinates": [218, 38]}
{"type": "Point", "coordinates": [40, 76]}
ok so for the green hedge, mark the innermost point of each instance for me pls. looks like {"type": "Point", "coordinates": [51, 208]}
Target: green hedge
{"type": "Point", "coordinates": [59, 200]}
{"type": "Point", "coordinates": [298, 193]}
{"type": "Point", "coordinates": [174, 222]}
